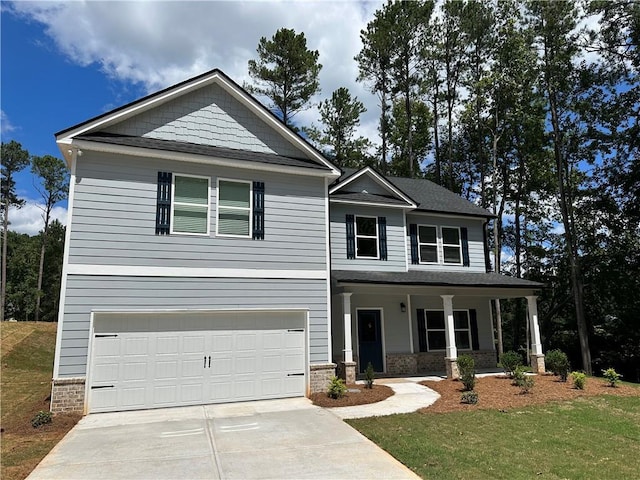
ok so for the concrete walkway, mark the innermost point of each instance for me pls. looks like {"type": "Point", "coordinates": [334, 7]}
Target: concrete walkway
{"type": "Point", "coordinates": [409, 396]}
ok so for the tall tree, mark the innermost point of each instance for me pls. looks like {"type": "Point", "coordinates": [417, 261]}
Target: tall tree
{"type": "Point", "coordinates": [14, 159]}
{"type": "Point", "coordinates": [402, 144]}
{"type": "Point", "coordinates": [54, 186]}
{"type": "Point", "coordinates": [286, 72]}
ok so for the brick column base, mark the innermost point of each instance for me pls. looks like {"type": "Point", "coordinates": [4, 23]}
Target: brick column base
{"type": "Point", "coordinates": [347, 371]}
{"type": "Point", "coordinates": [537, 363]}
{"type": "Point", "coordinates": [451, 366]}
{"type": "Point", "coordinates": [320, 375]}
{"type": "Point", "coordinates": [67, 395]}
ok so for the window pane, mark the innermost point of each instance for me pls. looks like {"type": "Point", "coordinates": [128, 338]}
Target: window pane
{"type": "Point", "coordinates": [451, 236]}
{"type": "Point", "coordinates": [191, 190]}
{"type": "Point", "coordinates": [436, 340]}
{"type": "Point", "coordinates": [233, 222]}
{"type": "Point", "coordinates": [451, 254]}
{"type": "Point", "coordinates": [234, 194]}
{"type": "Point", "coordinates": [365, 226]}
{"type": "Point", "coordinates": [428, 253]}
{"type": "Point", "coordinates": [460, 320]}
{"type": "Point", "coordinates": [427, 234]}
{"type": "Point", "coordinates": [190, 219]}
{"type": "Point", "coordinates": [367, 247]}
{"type": "Point", "coordinates": [435, 320]}
{"type": "Point", "coordinates": [462, 339]}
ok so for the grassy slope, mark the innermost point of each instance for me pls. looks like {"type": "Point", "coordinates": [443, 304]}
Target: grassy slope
{"type": "Point", "coordinates": [596, 437]}
{"type": "Point", "coordinates": [27, 350]}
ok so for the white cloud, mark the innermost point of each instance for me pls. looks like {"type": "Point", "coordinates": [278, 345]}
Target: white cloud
{"type": "Point", "coordinates": [158, 44]}
{"type": "Point", "coordinates": [28, 219]}
{"type": "Point", "coordinates": [5, 125]}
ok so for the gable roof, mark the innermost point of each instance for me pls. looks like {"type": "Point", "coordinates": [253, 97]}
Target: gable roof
{"type": "Point", "coordinates": [65, 137]}
{"type": "Point", "coordinates": [428, 196]}
{"type": "Point", "coordinates": [395, 197]}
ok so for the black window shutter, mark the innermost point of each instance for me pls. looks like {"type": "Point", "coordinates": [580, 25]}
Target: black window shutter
{"type": "Point", "coordinates": [382, 237]}
{"type": "Point", "coordinates": [422, 330]}
{"type": "Point", "coordinates": [473, 323]}
{"type": "Point", "coordinates": [258, 210]}
{"type": "Point", "coordinates": [413, 234]}
{"type": "Point", "coordinates": [163, 205]}
{"type": "Point", "coordinates": [351, 237]}
{"type": "Point", "coordinates": [465, 246]}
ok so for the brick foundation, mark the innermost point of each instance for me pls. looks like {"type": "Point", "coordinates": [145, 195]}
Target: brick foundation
{"type": "Point", "coordinates": [429, 362]}
{"type": "Point", "coordinates": [347, 371]}
{"type": "Point", "coordinates": [537, 363]}
{"type": "Point", "coordinates": [402, 364]}
{"type": "Point", "coordinates": [451, 366]}
{"type": "Point", "coordinates": [67, 395]}
{"type": "Point", "coordinates": [320, 375]}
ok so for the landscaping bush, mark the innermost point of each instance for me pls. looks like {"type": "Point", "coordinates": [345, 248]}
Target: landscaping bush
{"type": "Point", "coordinates": [519, 374]}
{"type": "Point", "coordinates": [557, 362]}
{"type": "Point", "coordinates": [509, 361]}
{"type": "Point", "coordinates": [469, 397]}
{"type": "Point", "coordinates": [337, 388]}
{"type": "Point", "coordinates": [612, 376]}
{"type": "Point", "coordinates": [579, 379]}
{"type": "Point", "coordinates": [41, 418]}
{"type": "Point", "coordinates": [467, 370]}
{"type": "Point", "coordinates": [369, 376]}
{"type": "Point", "coordinates": [527, 383]}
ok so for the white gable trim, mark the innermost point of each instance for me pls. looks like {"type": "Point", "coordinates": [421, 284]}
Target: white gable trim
{"type": "Point", "coordinates": [380, 180]}
{"type": "Point", "coordinates": [370, 204]}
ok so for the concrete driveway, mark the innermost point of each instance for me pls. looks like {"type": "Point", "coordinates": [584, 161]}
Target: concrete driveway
{"type": "Point", "coordinates": [275, 439]}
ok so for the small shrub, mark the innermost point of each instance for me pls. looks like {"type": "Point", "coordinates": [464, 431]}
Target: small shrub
{"type": "Point", "coordinates": [509, 361]}
{"type": "Point", "coordinates": [469, 397]}
{"type": "Point", "coordinates": [612, 376]}
{"type": "Point", "coordinates": [519, 376]}
{"type": "Point", "coordinates": [558, 363]}
{"type": "Point", "coordinates": [526, 385]}
{"type": "Point", "coordinates": [337, 388]}
{"type": "Point", "coordinates": [579, 379]}
{"type": "Point", "coordinates": [369, 376]}
{"type": "Point", "coordinates": [467, 370]}
{"type": "Point", "coordinates": [41, 418]}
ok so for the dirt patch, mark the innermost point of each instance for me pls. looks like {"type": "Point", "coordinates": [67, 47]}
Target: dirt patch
{"type": "Point", "coordinates": [362, 396]}
{"type": "Point", "coordinates": [498, 392]}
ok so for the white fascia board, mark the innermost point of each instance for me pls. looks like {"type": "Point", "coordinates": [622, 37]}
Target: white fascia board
{"type": "Point", "coordinates": [379, 179]}
{"type": "Point", "coordinates": [194, 158]}
{"type": "Point", "coordinates": [370, 204]}
{"type": "Point", "coordinates": [449, 215]}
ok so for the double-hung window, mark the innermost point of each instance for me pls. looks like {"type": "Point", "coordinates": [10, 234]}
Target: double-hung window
{"type": "Point", "coordinates": [437, 245]}
{"type": "Point", "coordinates": [451, 245]}
{"type": "Point", "coordinates": [366, 233]}
{"type": "Point", "coordinates": [436, 333]}
{"type": "Point", "coordinates": [428, 243]}
{"type": "Point", "coordinates": [234, 208]}
{"type": "Point", "coordinates": [190, 204]}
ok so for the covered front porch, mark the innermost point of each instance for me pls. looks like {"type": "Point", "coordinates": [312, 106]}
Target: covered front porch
{"type": "Point", "coordinates": [417, 323]}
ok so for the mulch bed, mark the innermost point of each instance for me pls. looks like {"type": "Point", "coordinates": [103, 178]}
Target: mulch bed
{"type": "Point", "coordinates": [498, 393]}
{"type": "Point", "coordinates": [362, 397]}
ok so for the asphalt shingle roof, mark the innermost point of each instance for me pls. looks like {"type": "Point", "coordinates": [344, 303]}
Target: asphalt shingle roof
{"type": "Point", "coordinates": [207, 150]}
{"type": "Point", "coordinates": [415, 277]}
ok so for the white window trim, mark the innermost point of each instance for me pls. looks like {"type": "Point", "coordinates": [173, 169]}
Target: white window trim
{"type": "Point", "coordinates": [173, 204]}
{"type": "Point", "coordinates": [437, 245]}
{"type": "Point", "coordinates": [356, 236]}
{"type": "Point", "coordinates": [468, 329]}
{"type": "Point", "coordinates": [227, 235]}
{"type": "Point", "coordinates": [459, 245]}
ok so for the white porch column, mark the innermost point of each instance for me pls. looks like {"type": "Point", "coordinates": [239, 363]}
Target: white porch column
{"type": "Point", "coordinates": [537, 358]}
{"type": "Point", "coordinates": [346, 311]}
{"type": "Point", "coordinates": [451, 351]}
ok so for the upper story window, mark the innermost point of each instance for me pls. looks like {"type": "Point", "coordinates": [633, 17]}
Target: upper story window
{"type": "Point", "coordinates": [190, 205]}
{"type": "Point", "coordinates": [451, 245]}
{"type": "Point", "coordinates": [428, 243]}
{"type": "Point", "coordinates": [366, 233]}
{"type": "Point", "coordinates": [234, 208]}
{"type": "Point", "coordinates": [438, 245]}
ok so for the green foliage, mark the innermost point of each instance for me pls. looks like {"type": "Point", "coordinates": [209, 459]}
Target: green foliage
{"type": "Point", "coordinates": [467, 370]}
{"type": "Point", "coordinates": [337, 388]}
{"type": "Point", "coordinates": [470, 397]}
{"type": "Point", "coordinates": [612, 376]}
{"type": "Point", "coordinates": [518, 375]}
{"type": "Point", "coordinates": [286, 72]}
{"type": "Point", "coordinates": [509, 361]}
{"type": "Point", "coordinates": [557, 362]}
{"type": "Point", "coordinates": [526, 384]}
{"type": "Point", "coordinates": [41, 418]}
{"type": "Point", "coordinates": [579, 379]}
{"type": "Point", "coordinates": [369, 375]}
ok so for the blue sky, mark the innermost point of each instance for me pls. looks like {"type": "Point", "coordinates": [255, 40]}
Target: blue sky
{"type": "Point", "coordinates": [65, 62]}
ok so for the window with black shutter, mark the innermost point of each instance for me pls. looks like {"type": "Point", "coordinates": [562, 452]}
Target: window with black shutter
{"type": "Point", "coordinates": [258, 210]}
{"type": "Point", "coordinates": [382, 237]}
{"type": "Point", "coordinates": [163, 204]}
{"type": "Point", "coordinates": [351, 236]}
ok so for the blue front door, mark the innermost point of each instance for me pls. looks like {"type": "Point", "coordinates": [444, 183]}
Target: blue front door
{"type": "Point", "coordinates": [370, 340]}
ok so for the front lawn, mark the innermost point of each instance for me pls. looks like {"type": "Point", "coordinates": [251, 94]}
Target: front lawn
{"type": "Point", "coordinates": [586, 438]}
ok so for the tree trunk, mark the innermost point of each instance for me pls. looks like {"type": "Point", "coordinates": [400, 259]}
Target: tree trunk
{"type": "Point", "coordinates": [497, 222]}
{"type": "Point", "coordinates": [436, 136]}
{"type": "Point", "coordinates": [3, 287]}
{"type": "Point", "coordinates": [496, 302]}
{"type": "Point", "coordinates": [45, 232]}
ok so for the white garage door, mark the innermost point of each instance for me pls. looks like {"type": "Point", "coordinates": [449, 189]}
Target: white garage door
{"type": "Point", "coordinates": [149, 361]}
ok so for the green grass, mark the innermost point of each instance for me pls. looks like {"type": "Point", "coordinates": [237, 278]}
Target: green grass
{"type": "Point", "coordinates": [588, 438]}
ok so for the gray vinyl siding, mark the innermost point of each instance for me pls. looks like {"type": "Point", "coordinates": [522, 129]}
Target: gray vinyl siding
{"type": "Point", "coordinates": [396, 256]}
{"type": "Point", "coordinates": [114, 212]}
{"type": "Point", "coordinates": [475, 236]}
{"type": "Point", "coordinates": [207, 116]}
{"type": "Point", "coordinates": [86, 293]}
{"type": "Point", "coordinates": [366, 183]}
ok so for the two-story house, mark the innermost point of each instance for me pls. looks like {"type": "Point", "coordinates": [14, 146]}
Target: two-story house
{"type": "Point", "coordinates": [213, 255]}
